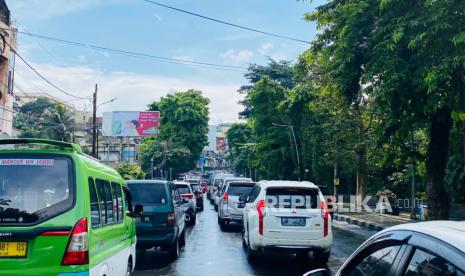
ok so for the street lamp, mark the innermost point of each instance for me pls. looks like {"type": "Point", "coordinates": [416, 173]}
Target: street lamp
{"type": "Point", "coordinates": [151, 168]}
{"type": "Point", "coordinates": [295, 143]}
{"type": "Point", "coordinates": [94, 123]}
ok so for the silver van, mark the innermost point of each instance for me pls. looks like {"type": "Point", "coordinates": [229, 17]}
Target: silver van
{"type": "Point", "coordinates": [229, 207]}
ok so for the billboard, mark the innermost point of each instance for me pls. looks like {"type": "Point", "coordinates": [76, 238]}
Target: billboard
{"type": "Point", "coordinates": [130, 123]}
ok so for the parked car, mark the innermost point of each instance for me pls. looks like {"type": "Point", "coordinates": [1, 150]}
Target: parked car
{"type": "Point", "coordinates": [198, 193]}
{"type": "Point", "coordinates": [66, 213]}
{"type": "Point", "coordinates": [222, 188]}
{"type": "Point", "coordinates": [271, 222]}
{"type": "Point", "coordinates": [160, 221]}
{"type": "Point", "coordinates": [426, 248]}
{"type": "Point", "coordinates": [190, 202]}
{"type": "Point", "coordinates": [229, 207]}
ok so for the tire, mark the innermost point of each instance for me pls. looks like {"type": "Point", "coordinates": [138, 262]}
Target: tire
{"type": "Point", "coordinates": [174, 250]}
{"type": "Point", "coordinates": [129, 268]}
{"type": "Point", "coordinates": [320, 258]}
{"type": "Point", "coordinates": [222, 224]}
{"type": "Point", "coordinates": [193, 220]}
{"type": "Point", "coordinates": [182, 238]}
{"type": "Point", "coordinates": [251, 254]}
{"type": "Point", "coordinates": [216, 208]}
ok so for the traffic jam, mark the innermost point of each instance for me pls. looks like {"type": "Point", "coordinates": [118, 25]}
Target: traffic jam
{"type": "Point", "coordinates": [64, 213]}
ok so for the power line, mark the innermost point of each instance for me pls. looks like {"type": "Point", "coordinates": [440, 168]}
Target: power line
{"type": "Point", "coordinates": [45, 79]}
{"type": "Point", "coordinates": [227, 23]}
{"type": "Point", "coordinates": [136, 54]}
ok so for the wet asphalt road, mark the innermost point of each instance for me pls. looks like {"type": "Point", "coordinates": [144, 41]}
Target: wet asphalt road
{"type": "Point", "coordinates": [209, 251]}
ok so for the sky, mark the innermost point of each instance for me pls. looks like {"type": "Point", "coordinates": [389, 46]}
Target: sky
{"type": "Point", "coordinates": [138, 26]}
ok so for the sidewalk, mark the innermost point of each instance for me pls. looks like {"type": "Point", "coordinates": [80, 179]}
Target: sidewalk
{"type": "Point", "coordinates": [374, 221]}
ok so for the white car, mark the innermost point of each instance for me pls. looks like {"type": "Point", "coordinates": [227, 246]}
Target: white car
{"type": "Point", "coordinates": [190, 207]}
{"type": "Point", "coordinates": [425, 248]}
{"type": "Point", "coordinates": [287, 216]}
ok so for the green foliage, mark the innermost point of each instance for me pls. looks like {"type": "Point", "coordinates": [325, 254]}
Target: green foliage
{"type": "Point", "coordinates": [130, 171]}
{"type": "Point", "coordinates": [182, 135]}
{"type": "Point", "coordinates": [43, 119]}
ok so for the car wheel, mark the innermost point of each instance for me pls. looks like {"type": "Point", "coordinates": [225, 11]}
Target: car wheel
{"type": "Point", "coordinates": [182, 238]}
{"type": "Point", "coordinates": [222, 224]}
{"type": "Point", "coordinates": [193, 220]}
{"type": "Point", "coordinates": [320, 258]}
{"type": "Point", "coordinates": [244, 244]}
{"type": "Point", "coordinates": [129, 268]}
{"type": "Point", "coordinates": [174, 250]}
{"type": "Point", "coordinates": [251, 254]}
{"type": "Point", "coordinates": [216, 208]}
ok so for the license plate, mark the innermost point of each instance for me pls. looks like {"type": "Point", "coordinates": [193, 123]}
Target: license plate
{"type": "Point", "coordinates": [13, 249]}
{"type": "Point", "coordinates": [293, 221]}
{"type": "Point", "coordinates": [143, 219]}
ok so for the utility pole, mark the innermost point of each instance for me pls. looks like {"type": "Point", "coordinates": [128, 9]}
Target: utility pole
{"type": "Point", "coordinates": [296, 147]}
{"type": "Point", "coordinates": [94, 124]}
{"type": "Point", "coordinates": [151, 167]}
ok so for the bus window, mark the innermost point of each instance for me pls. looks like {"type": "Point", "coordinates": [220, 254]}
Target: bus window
{"type": "Point", "coordinates": [94, 205]}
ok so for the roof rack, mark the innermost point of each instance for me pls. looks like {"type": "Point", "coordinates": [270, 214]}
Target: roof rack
{"type": "Point", "coordinates": [63, 145]}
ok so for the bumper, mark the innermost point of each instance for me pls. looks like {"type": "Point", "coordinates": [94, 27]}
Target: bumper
{"type": "Point", "coordinates": [149, 242]}
{"type": "Point", "coordinates": [232, 218]}
{"type": "Point", "coordinates": [263, 244]}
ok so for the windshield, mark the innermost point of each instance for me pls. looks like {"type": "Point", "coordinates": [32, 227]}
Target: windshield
{"type": "Point", "coordinates": [183, 189]}
{"type": "Point", "coordinates": [240, 189]}
{"type": "Point", "coordinates": [148, 193]}
{"type": "Point", "coordinates": [34, 187]}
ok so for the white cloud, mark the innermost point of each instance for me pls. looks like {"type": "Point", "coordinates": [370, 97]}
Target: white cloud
{"type": "Point", "coordinates": [134, 91]}
{"type": "Point", "coordinates": [265, 48]}
{"type": "Point", "coordinates": [237, 56]}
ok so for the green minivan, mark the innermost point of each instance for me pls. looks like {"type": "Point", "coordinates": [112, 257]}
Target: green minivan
{"type": "Point", "coordinates": [161, 219]}
{"type": "Point", "coordinates": [62, 212]}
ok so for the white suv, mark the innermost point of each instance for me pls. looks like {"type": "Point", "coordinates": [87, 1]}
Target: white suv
{"type": "Point", "coordinates": [290, 216]}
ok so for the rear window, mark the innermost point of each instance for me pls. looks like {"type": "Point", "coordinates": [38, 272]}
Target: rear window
{"type": "Point", "coordinates": [298, 198]}
{"type": "Point", "coordinates": [195, 187]}
{"type": "Point", "coordinates": [183, 189]}
{"type": "Point", "coordinates": [34, 188]}
{"type": "Point", "coordinates": [240, 189]}
{"type": "Point", "coordinates": [193, 181]}
{"type": "Point", "coordinates": [148, 193]}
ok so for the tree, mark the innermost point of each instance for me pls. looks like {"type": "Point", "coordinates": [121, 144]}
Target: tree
{"type": "Point", "coordinates": [182, 135]}
{"type": "Point", "coordinates": [130, 171]}
{"type": "Point", "coordinates": [43, 119]}
{"type": "Point", "coordinates": [407, 57]}
{"type": "Point", "coordinates": [239, 136]}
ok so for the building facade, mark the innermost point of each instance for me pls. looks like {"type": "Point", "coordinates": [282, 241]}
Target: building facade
{"type": "Point", "coordinates": [7, 63]}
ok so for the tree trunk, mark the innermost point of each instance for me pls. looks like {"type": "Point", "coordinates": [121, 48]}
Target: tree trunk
{"type": "Point", "coordinates": [361, 160]}
{"type": "Point", "coordinates": [436, 162]}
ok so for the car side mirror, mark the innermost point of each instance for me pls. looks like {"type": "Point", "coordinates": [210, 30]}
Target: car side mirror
{"type": "Point", "coordinates": [318, 272]}
{"type": "Point", "coordinates": [138, 210]}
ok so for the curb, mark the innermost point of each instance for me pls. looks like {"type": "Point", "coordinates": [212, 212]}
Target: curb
{"type": "Point", "coordinates": [359, 222]}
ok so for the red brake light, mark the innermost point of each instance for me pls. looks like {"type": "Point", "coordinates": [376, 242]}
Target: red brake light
{"type": "Point", "coordinates": [226, 196]}
{"type": "Point", "coordinates": [187, 195]}
{"type": "Point", "coordinates": [261, 213]}
{"type": "Point", "coordinates": [171, 219]}
{"type": "Point", "coordinates": [325, 216]}
{"type": "Point", "coordinates": [77, 251]}
{"type": "Point", "coordinates": [55, 233]}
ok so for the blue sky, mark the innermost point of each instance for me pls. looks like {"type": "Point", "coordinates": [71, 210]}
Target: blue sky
{"type": "Point", "coordinates": [136, 25]}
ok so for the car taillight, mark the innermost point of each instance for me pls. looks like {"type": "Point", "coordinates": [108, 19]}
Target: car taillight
{"type": "Point", "coordinates": [226, 196]}
{"type": "Point", "coordinates": [77, 251]}
{"type": "Point", "coordinates": [187, 195]}
{"type": "Point", "coordinates": [261, 214]}
{"type": "Point", "coordinates": [325, 216]}
{"type": "Point", "coordinates": [171, 219]}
